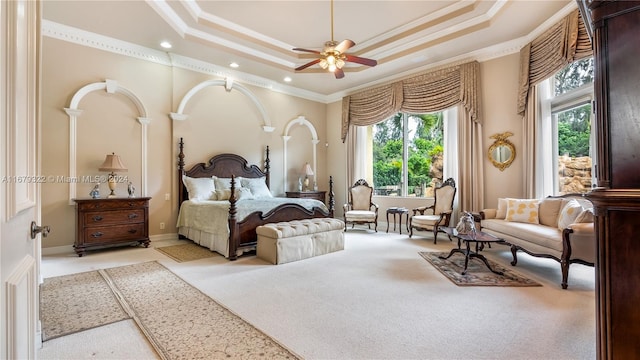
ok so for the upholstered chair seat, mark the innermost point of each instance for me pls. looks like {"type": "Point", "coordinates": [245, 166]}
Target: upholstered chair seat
{"type": "Point", "coordinates": [431, 218]}
{"type": "Point", "coordinates": [360, 209]}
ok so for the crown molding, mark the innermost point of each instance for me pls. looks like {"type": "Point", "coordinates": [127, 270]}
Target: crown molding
{"type": "Point", "coordinates": [93, 40]}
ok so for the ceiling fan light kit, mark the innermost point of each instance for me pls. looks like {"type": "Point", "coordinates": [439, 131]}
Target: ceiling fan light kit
{"type": "Point", "coordinates": [333, 56]}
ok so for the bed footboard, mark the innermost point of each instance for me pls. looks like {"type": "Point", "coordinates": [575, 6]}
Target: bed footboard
{"type": "Point", "coordinates": [243, 233]}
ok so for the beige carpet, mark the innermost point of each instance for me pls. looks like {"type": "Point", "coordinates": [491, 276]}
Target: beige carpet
{"type": "Point", "coordinates": [77, 302]}
{"type": "Point", "coordinates": [377, 299]}
{"type": "Point", "coordinates": [179, 321]}
{"type": "Point", "coordinates": [477, 272]}
{"type": "Point", "coordinates": [186, 252]}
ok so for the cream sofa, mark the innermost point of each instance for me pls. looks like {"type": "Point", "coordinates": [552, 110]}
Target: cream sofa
{"type": "Point", "coordinates": [560, 228]}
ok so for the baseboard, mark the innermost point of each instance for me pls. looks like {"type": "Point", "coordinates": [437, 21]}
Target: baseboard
{"type": "Point", "coordinates": [68, 249]}
{"type": "Point", "coordinates": [55, 250]}
{"type": "Point", "coordinates": [161, 237]}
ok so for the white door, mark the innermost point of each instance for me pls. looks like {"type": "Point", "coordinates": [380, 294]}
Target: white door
{"type": "Point", "coordinates": [19, 182]}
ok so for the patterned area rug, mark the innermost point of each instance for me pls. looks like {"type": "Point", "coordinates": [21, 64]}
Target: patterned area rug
{"type": "Point", "coordinates": [77, 302]}
{"type": "Point", "coordinates": [477, 273]}
{"type": "Point", "coordinates": [186, 252]}
{"type": "Point", "coordinates": [181, 322]}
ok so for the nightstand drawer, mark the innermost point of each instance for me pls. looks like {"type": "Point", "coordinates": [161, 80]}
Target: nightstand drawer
{"type": "Point", "coordinates": [114, 233]}
{"type": "Point", "coordinates": [93, 218]}
{"type": "Point", "coordinates": [109, 204]}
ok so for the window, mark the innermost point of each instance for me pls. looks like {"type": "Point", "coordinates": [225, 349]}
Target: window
{"type": "Point", "coordinates": [568, 137]}
{"type": "Point", "coordinates": [407, 153]}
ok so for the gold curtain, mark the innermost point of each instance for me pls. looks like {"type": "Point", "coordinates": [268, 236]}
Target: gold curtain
{"type": "Point", "coordinates": [564, 43]}
{"type": "Point", "coordinates": [429, 92]}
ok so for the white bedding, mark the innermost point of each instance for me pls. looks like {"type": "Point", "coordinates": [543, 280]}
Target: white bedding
{"type": "Point", "coordinates": [206, 221]}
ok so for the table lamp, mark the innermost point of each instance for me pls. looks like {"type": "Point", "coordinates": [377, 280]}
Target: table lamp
{"type": "Point", "coordinates": [307, 171]}
{"type": "Point", "coordinates": [112, 163]}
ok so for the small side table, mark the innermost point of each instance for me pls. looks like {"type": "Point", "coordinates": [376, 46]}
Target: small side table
{"type": "Point", "coordinates": [398, 211]}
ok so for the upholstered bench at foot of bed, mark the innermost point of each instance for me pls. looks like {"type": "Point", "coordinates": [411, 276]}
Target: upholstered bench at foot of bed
{"type": "Point", "coordinates": [284, 242]}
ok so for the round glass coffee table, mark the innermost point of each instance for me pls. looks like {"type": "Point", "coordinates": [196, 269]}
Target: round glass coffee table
{"type": "Point", "coordinates": [480, 239]}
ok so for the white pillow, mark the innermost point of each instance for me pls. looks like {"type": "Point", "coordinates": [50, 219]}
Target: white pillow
{"type": "Point", "coordinates": [257, 186]}
{"type": "Point", "coordinates": [200, 188]}
{"type": "Point", "coordinates": [586, 216]}
{"type": "Point", "coordinates": [501, 213]}
{"type": "Point", "coordinates": [523, 210]}
{"type": "Point", "coordinates": [241, 193]}
{"type": "Point", "coordinates": [569, 214]}
{"type": "Point", "coordinates": [225, 183]}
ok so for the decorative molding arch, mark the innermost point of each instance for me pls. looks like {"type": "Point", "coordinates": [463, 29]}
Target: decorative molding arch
{"type": "Point", "coordinates": [300, 120]}
{"type": "Point", "coordinates": [111, 87]}
{"type": "Point", "coordinates": [229, 85]}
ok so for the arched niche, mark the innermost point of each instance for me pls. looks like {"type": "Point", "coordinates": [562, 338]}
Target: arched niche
{"type": "Point", "coordinates": [300, 120]}
{"type": "Point", "coordinates": [229, 85]}
{"type": "Point", "coordinates": [111, 87]}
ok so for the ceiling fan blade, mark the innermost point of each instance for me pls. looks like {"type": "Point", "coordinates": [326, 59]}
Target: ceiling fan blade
{"type": "Point", "coordinates": [360, 60]}
{"type": "Point", "coordinates": [344, 46]}
{"type": "Point", "coordinates": [307, 50]}
{"type": "Point", "coordinates": [339, 73]}
{"type": "Point", "coordinates": [311, 63]}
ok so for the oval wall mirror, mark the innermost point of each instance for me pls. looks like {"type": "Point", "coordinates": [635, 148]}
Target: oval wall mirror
{"type": "Point", "coordinates": [502, 151]}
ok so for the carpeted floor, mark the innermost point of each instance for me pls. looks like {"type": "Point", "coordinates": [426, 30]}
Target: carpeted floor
{"type": "Point", "coordinates": [178, 320]}
{"type": "Point", "coordinates": [77, 302]}
{"type": "Point", "coordinates": [477, 273]}
{"type": "Point", "coordinates": [186, 252]}
{"type": "Point", "coordinates": [377, 299]}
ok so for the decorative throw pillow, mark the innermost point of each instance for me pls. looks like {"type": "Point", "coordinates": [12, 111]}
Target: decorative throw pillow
{"type": "Point", "coordinates": [549, 210]}
{"type": "Point", "coordinates": [569, 214]}
{"type": "Point", "coordinates": [224, 183]}
{"type": "Point", "coordinates": [502, 208]}
{"type": "Point", "coordinates": [200, 188]}
{"type": "Point", "coordinates": [520, 210]}
{"type": "Point", "coordinates": [586, 216]}
{"type": "Point", "coordinates": [257, 186]}
{"type": "Point", "coordinates": [241, 194]}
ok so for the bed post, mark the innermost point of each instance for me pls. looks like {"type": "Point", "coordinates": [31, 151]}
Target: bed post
{"type": "Point", "coordinates": [180, 173]}
{"type": "Point", "coordinates": [234, 231]}
{"type": "Point", "coordinates": [266, 168]}
{"type": "Point", "coordinates": [332, 201]}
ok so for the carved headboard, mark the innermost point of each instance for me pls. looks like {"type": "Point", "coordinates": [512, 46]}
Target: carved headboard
{"type": "Point", "coordinates": [222, 165]}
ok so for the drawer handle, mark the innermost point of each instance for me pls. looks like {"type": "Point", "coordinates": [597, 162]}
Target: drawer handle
{"type": "Point", "coordinates": [97, 234]}
{"type": "Point", "coordinates": [132, 204]}
{"type": "Point", "coordinates": [132, 231]}
{"type": "Point", "coordinates": [97, 218]}
{"type": "Point", "coordinates": [133, 216]}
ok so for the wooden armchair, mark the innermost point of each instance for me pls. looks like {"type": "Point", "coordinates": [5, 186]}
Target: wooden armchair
{"type": "Point", "coordinates": [360, 209]}
{"type": "Point", "coordinates": [440, 211]}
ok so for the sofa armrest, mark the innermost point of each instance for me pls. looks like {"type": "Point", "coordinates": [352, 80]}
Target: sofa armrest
{"type": "Point", "coordinates": [488, 214]}
{"type": "Point", "coordinates": [582, 228]}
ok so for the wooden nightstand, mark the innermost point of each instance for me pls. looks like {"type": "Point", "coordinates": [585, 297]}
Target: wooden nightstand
{"type": "Point", "coordinates": [318, 195]}
{"type": "Point", "coordinates": [111, 222]}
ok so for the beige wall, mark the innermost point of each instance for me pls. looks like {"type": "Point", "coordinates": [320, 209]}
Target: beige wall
{"type": "Point", "coordinates": [218, 121]}
{"type": "Point", "coordinates": [499, 98]}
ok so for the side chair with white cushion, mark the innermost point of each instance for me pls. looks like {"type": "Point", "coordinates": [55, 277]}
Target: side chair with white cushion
{"type": "Point", "coordinates": [360, 209]}
{"type": "Point", "coordinates": [431, 218]}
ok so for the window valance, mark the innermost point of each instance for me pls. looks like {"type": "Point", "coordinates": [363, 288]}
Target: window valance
{"type": "Point", "coordinates": [564, 43]}
{"type": "Point", "coordinates": [427, 92]}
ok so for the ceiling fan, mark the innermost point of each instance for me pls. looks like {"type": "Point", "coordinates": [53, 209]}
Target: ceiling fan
{"type": "Point", "coordinates": [333, 56]}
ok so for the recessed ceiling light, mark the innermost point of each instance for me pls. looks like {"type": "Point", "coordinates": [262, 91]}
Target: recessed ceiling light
{"type": "Point", "coordinates": [234, 65]}
{"type": "Point", "coordinates": [166, 44]}
{"type": "Point", "coordinates": [287, 79]}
